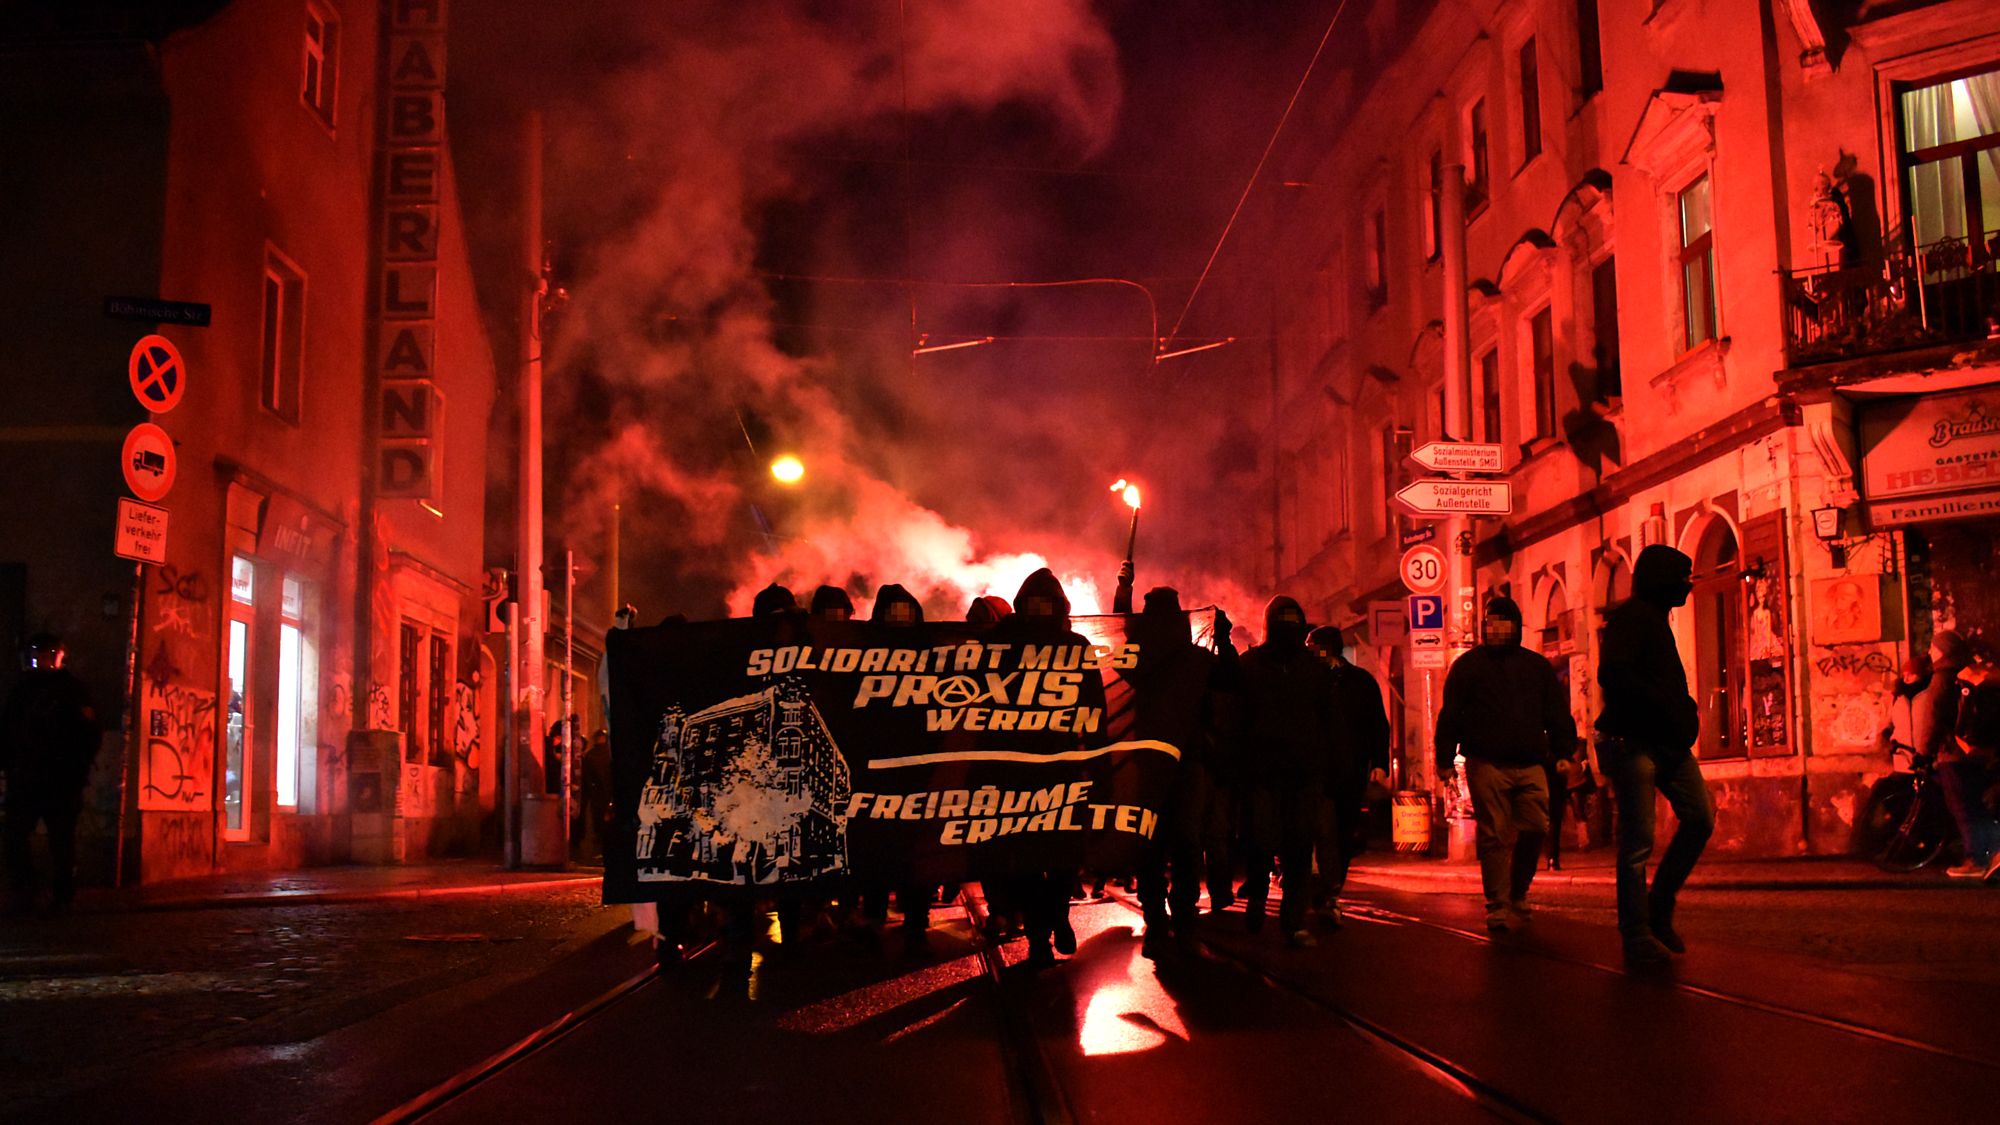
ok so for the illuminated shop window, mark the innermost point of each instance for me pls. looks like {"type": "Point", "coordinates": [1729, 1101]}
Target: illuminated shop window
{"type": "Point", "coordinates": [238, 714]}
{"type": "Point", "coordinates": [1697, 257]}
{"type": "Point", "coordinates": [295, 719]}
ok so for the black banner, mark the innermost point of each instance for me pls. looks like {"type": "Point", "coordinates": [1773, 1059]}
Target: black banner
{"type": "Point", "coordinates": [765, 755]}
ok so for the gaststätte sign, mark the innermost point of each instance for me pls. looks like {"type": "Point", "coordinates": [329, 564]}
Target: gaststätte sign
{"type": "Point", "coordinates": [1933, 457]}
{"type": "Point", "coordinates": [769, 755]}
{"type": "Point", "coordinates": [1460, 457]}
{"type": "Point", "coordinates": [1433, 497]}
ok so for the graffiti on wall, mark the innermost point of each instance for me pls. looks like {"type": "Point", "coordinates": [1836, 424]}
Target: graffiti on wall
{"type": "Point", "coordinates": [177, 770]}
{"type": "Point", "coordinates": [1851, 694]}
{"type": "Point", "coordinates": [180, 604]}
{"type": "Point", "coordinates": [465, 727]}
{"type": "Point", "coordinates": [381, 708]}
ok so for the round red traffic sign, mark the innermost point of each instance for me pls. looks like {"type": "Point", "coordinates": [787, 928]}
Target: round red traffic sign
{"type": "Point", "coordinates": [148, 461]}
{"type": "Point", "coordinates": [157, 375]}
{"type": "Point", "coordinates": [1423, 569]}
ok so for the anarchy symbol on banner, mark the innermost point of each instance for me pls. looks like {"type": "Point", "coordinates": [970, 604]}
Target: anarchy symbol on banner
{"type": "Point", "coordinates": [957, 692]}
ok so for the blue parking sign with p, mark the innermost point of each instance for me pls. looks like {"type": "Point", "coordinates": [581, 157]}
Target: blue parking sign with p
{"type": "Point", "coordinates": [1426, 611]}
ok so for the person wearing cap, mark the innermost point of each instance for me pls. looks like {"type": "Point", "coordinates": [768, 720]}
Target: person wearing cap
{"type": "Point", "coordinates": [1507, 714]}
{"type": "Point", "coordinates": [1288, 744]}
{"type": "Point", "coordinates": [1646, 736]}
{"type": "Point", "coordinates": [48, 739]}
{"type": "Point", "coordinates": [1362, 727]}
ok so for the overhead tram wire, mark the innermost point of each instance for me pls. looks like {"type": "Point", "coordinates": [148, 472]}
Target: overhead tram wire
{"type": "Point", "coordinates": [1258, 171]}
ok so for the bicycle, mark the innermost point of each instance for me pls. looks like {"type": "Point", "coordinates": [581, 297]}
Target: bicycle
{"type": "Point", "coordinates": [1905, 825]}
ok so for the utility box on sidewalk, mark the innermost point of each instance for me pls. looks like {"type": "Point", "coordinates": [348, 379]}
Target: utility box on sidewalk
{"type": "Point", "coordinates": [375, 769]}
{"type": "Point", "coordinates": [542, 830]}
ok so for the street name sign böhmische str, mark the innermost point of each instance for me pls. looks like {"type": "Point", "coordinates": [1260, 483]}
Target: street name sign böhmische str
{"type": "Point", "coordinates": [1460, 457]}
{"type": "Point", "coordinates": [1452, 497]}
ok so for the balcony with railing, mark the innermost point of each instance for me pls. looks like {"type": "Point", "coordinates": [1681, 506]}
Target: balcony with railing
{"type": "Point", "coordinates": [1943, 293]}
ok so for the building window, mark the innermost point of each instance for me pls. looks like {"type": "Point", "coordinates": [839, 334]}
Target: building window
{"type": "Point", "coordinates": [1489, 396]}
{"type": "Point", "coordinates": [1589, 50]}
{"type": "Point", "coordinates": [238, 716]}
{"type": "Point", "coordinates": [296, 726]}
{"type": "Point", "coordinates": [318, 84]}
{"type": "Point", "coordinates": [1388, 458]}
{"type": "Point", "coordinates": [1341, 482]}
{"type": "Point", "coordinates": [409, 693]}
{"type": "Point", "coordinates": [1478, 166]}
{"type": "Point", "coordinates": [1950, 154]}
{"type": "Point", "coordinates": [1377, 276]}
{"type": "Point", "coordinates": [1434, 207]}
{"type": "Point", "coordinates": [1697, 260]}
{"type": "Point", "coordinates": [281, 357]}
{"type": "Point", "coordinates": [1531, 102]}
{"type": "Point", "coordinates": [439, 695]}
{"type": "Point", "coordinates": [1604, 324]}
{"type": "Point", "coordinates": [1542, 365]}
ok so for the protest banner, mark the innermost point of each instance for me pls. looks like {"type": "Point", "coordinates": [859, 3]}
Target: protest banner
{"type": "Point", "coordinates": [775, 755]}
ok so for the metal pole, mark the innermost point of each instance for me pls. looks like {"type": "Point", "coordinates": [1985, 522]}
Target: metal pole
{"type": "Point", "coordinates": [510, 746]}
{"type": "Point", "coordinates": [530, 694]}
{"type": "Point", "coordinates": [569, 686]}
{"type": "Point", "coordinates": [133, 737]}
{"type": "Point", "coordinates": [616, 513]}
{"type": "Point", "coordinates": [1459, 593]}
{"type": "Point", "coordinates": [1132, 537]}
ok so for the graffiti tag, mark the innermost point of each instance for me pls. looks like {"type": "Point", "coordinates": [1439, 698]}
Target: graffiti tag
{"type": "Point", "coordinates": [178, 768]}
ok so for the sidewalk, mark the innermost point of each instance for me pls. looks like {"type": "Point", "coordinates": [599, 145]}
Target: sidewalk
{"type": "Point", "coordinates": [1595, 868]}
{"type": "Point", "coordinates": [320, 885]}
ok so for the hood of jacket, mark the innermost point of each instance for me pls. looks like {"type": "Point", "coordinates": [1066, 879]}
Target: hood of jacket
{"type": "Point", "coordinates": [1661, 575]}
{"type": "Point", "coordinates": [888, 598]}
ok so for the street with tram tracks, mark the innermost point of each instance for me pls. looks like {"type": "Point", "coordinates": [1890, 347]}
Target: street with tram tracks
{"type": "Point", "coordinates": [1792, 1005]}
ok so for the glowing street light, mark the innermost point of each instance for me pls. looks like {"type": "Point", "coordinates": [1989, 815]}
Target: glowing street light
{"type": "Point", "coordinates": [788, 469]}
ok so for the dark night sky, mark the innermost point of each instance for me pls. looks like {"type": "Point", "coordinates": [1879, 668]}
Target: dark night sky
{"type": "Point", "coordinates": [698, 149]}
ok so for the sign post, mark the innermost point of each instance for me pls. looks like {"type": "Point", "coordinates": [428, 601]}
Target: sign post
{"type": "Point", "coordinates": [1437, 496]}
{"type": "Point", "coordinates": [1460, 457]}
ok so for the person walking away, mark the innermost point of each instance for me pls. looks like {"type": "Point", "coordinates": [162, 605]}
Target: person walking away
{"type": "Point", "coordinates": [1507, 714]}
{"type": "Point", "coordinates": [1288, 748]}
{"type": "Point", "coordinates": [1647, 731]}
{"type": "Point", "coordinates": [48, 739]}
{"type": "Point", "coordinates": [1362, 729]}
{"type": "Point", "coordinates": [1971, 785]}
{"type": "Point", "coordinates": [1172, 688]}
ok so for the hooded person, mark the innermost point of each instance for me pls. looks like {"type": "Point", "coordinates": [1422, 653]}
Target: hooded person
{"type": "Point", "coordinates": [1173, 685]}
{"type": "Point", "coordinates": [831, 603]}
{"type": "Point", "coordinates": [1362, 726]}
{"type": "Point", "coordinates": [1646, 736]}
{"type": "Point", "coordinates": [1508, 715]}
{"type": "Point", "coordinates": [1041, 617]}
{"type": "Point", "coordinates": [773, 599]}
{"type": "Point", "coordinates": [896, 606]}
{"type": "Point", "coordinates": [1288, 749]}
{"type": "Point", "coordinates": [986, 611]}
{"type": "Point", "coordinates": [48, 738]}
{"type": "Point", "coordinates": [896, 609]}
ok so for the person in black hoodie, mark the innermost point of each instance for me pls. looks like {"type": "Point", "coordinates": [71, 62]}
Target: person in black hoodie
{"type": "Point", "coordinates": [1041, 617]}
{"type": "Point", "coordinates": [1362, 726]}
{"type": "Point", "coordinates": [1173, 686]}
{"type": "Point", "coordinates": [897, 608]}
{"type": "Point", "coordinates": [1646, 737]}
{"type": "Point", "coordinates": [48, 738]}
{"type": "Point", "coordinates": [1506, 712]}
{"type": "Point", "coordinates": [1288, 750]}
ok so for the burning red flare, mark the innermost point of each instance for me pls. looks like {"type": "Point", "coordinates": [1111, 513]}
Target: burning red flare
{"type": "Point", "coordinates": [1130, 491]}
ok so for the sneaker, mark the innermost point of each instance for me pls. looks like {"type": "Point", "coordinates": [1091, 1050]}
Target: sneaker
{"type": "Point", "coordinates": [1523, 913]}
{"type": "Point", "coordinates": [1065, 937]}
{"type": "Point", "coordinates": [1500, 923]}
{"type": "Point", "coordinates": [1646, 950]}
{"type": "Point", "coordinates": [1666, 935]}
{"type": "Point", "coordinates": [1331, 918]}
{"type": "Point", "coordinates": [1301, 938]}
{"type": "Point", "coordinates": [1970, 869]}
{"type": "Point", "coordinates": [1039, 956]}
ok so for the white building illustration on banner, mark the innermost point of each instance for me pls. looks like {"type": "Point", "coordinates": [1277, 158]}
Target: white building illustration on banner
{"type": "Point", "coordinates": [750, 790]}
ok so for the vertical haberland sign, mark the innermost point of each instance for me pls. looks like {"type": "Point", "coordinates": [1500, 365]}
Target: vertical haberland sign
{"type": "Point", "coordinates": [408, 404]}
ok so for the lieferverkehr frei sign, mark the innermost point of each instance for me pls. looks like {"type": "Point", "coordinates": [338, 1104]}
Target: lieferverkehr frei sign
{"type": "Point", "coordinates": [1457, 497]}
{"type": "Point", "coordinates": [142, 531]}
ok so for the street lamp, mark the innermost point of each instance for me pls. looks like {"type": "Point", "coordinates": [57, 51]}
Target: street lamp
{"type": "Point", "coordinates": [1827, 525]}
{"type": "Point", "coordinates": [788, 469]}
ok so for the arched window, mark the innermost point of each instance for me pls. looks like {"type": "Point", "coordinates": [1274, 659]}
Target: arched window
{"type": "Point", "coordinates": [1719, 646]}
{"type": "Point", "coordinates": [1558, 633]}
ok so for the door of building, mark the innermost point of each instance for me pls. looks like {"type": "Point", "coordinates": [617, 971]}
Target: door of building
{"type": "Point", "coordinates": [1720, 653]}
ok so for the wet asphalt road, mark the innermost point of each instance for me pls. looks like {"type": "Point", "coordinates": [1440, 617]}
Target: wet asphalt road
{"type": "Point", "coordinates": [1791, 1006]}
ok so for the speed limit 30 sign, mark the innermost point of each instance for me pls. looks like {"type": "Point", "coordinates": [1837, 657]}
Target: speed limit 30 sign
{"type": "Point", "coordinates": [1423, 569]}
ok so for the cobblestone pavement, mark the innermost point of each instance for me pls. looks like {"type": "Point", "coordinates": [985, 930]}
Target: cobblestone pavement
{"type": "Point", "coordinates": [83, 997]}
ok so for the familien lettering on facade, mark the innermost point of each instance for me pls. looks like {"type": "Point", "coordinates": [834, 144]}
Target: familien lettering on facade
{"type": "Point", "coordinates": [974, 816]}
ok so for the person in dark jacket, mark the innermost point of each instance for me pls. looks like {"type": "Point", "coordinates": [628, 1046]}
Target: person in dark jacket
{"type": "Point", "coordinates": [1647, 733]}
{"type": "Point", "coordinates": [1173, 684]}
{"type": "Point", "coordinates": [831, 603]}
{"type": "Point", "coordinates": [1288, 750]}
{"type": "Point", "coordinates": [1970, 785]}
{"type": "Point", "coordinates": [48, 738]}
{"type": "Point", "coordinates": [899, 609]}
{"type": "Point", "coordinates": [1506, 712]}
{"type": "Point", "coordinates": [1362, 754]}
{"type": "Point", "coordinates": [1041, 617]}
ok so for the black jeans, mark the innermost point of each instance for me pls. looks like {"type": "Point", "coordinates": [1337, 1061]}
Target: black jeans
{"type": "Point", "coordinates": [1281, 826]}
{"type": "Point", "coordinates": [1178, 845]}
{"type": "Point", "coordinates": [1637, 777]}
{"type": "Point", "coordinates": [26, 807]}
